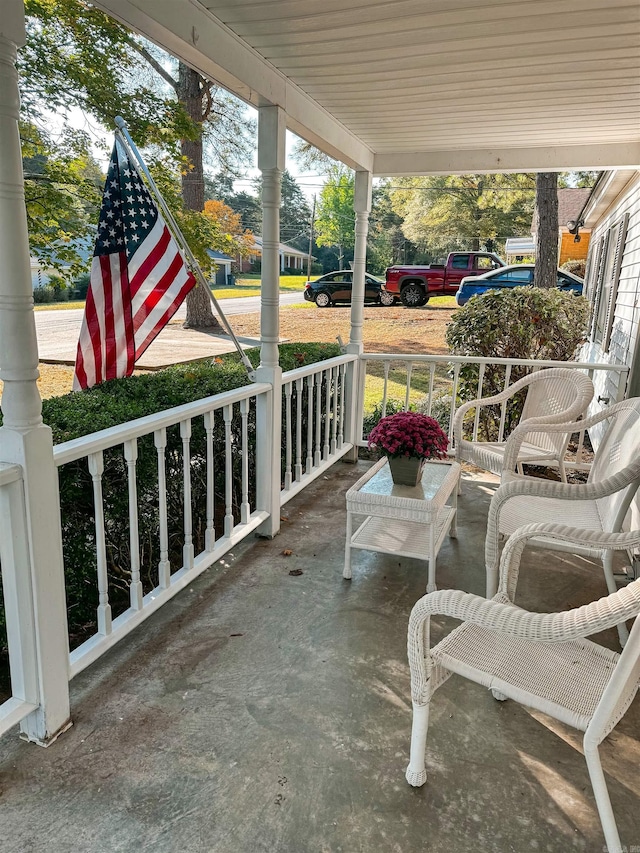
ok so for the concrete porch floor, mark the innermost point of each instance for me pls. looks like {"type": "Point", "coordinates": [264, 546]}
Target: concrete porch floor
{"type": "Point", "coordinates": [264, 711]}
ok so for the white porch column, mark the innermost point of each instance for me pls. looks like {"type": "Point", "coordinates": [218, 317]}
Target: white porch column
{"type": "Point", "coordinates": [355, 376]}
{"type": "Point", "coordinates": [271, 162]}
{"type": "Point", "coordinates": [24, 439]}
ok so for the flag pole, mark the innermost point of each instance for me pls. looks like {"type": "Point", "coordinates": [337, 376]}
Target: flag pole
{"type": "Point", "coordinates": [123, 135]}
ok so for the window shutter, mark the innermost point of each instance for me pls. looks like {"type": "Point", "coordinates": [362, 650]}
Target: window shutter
{"type": "Point", "coordinates": [598, 282]}
{"type": "Point", "coordinates": [615, 278]}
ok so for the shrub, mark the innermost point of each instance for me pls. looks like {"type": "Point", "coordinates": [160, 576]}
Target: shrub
{"type": "Point", "coordinates": [43, 294]}
{"type": "Point", "coordinates": [576, 267]}
{"type": "Point", "coordinates": [521, 323]}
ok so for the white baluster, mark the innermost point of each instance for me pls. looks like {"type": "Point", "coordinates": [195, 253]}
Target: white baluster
{"type": "Point", "coordinates": [327, 413]}
{"type": "Point", "coordinates": [334, 401]}
{"type": "Point", "coordinates": [227, 414]}
{"type": "Point", "coordinates": [135, 588]}
{"type": "Point", "coordinates": [343, 373]}
{"type": "Point", "coordinates": [386, 366]}
{"type": "Point", "coordinates": [317, 456]}
{"type": "Point", "coordinates": [96, 469]}
{"type": "Point", "coordinates": [454, 397]}
{"type": "Point", "coordinates": [187, 548]}
{"type": "Point", "coordinates": [245, 509]}
{"type": "Point", "coordinates": [503, 409]}
{"type": "Point", "coordinates": [476, 420]}
{"type": "Point", "coordinates": [210, 534]}
{"type": "Point", "coordinates": [407, 396]}
{"type": "Point", "coordinates": [164, 566]}
{"type": "Point", "coordinates": [298, 470]}
{"type": "Point", "coordinates": [310, 383]}
{"type": "Point", "coordinates": [432, 375]}
{"type": "Point", "coordinates": [287, 451]}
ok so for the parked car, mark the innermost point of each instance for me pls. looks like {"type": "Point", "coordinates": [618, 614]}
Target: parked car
{"type": "Point", "coordinates": [512, 276]}
{"type": "Point", "coordinates": [335, 288]}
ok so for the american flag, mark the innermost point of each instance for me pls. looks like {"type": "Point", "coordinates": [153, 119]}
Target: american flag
{"type": "Point", "coordinates": [138, 278]}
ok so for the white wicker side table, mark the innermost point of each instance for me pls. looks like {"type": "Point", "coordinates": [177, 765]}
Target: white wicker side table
{"type": "Point", "coordinates": [407, 521]}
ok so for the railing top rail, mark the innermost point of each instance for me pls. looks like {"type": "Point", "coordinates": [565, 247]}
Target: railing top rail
{"type": "Point", "coordinates": [318, 367]}
{"type": "Point", "coordinates": [477, 359]}
{"type": "Point", "coordinates": [9, 473]}
{"type": "Point", "coordinates": [69, 451]}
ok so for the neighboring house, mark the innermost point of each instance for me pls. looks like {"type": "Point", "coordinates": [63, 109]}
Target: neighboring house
{"type": "Point", "coordinates": [223, 266]}
{"type": "Point", "coordinates": [516, 249]}
{"type": "Point", "coordinates": [573, 245]}
{"type": "Point", "coordinates": [290, 258]}
{"type": "Point", "coordinates": [42, 275]}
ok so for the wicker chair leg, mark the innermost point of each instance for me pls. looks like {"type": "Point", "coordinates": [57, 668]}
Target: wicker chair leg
{"type": "Point", "coordinates": [607, 565]}
{"type": "Point", "coordinates": [562, 470]}
{"type": "Point", "coordinates": [603, 801]}
{"type": "Point", "coordinates": [416, 773]}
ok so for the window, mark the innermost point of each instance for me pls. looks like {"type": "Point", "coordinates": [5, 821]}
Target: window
{"type": "Point", "coordinates": [608, 276]}
{"type": "Point", "coordinates": [522, 276]}
{"type": "Point", "coordinates": [460, 262]}
{"type": "Point", "coordinates": [486, 263]}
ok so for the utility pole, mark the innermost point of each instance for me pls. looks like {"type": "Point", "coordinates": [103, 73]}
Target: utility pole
{"type": "Point", "coordinates": [313, 219]}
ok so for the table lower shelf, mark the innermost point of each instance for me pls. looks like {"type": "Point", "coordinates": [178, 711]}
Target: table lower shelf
{"type": "Point", "coordinates": [404, 538]}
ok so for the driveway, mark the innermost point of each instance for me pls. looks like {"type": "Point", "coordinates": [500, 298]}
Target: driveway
{"type": "Point", "coordinates": [58, 332]}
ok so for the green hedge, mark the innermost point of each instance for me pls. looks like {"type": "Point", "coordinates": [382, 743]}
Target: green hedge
{"type": "Point", "coordinates": [123, 400]}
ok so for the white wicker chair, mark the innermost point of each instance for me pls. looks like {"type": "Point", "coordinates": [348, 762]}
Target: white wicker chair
{"type": "Point", "coordinates": [600, 504]}
{"type": "Point", "coordinates": [538, 659]}
{"type": "Point", "coordinates": [554, 395]}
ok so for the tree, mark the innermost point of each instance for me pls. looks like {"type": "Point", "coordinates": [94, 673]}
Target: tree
{"type": "Point", "coordinates": [335, 218]}
{"type": "Point", "coordinates": [463, 211]}
{"type": "Point", "coordinates": [546, 229]}
{"type": "Point", "coordinates": [63, 185]}
{"type": "Point", "coordinates": [295, 214]}
{"type": "Point", "coordinates": [76, 56]}
{"type": "Point", "coordinates": [232, 238]}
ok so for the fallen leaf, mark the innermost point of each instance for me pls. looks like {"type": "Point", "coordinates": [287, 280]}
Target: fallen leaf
{"type": "Point", "coordinates": [296, 573]}
{"type": "Point", "coordinates": [287, 552]}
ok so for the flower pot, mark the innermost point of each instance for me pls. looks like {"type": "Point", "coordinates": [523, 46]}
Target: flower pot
{"type": "Point", "coordinates": [406, 470]}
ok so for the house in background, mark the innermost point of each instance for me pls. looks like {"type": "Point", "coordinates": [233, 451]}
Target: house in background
{"type": "Point", "coordinates": [518, 250]}
{"type": "Point", "coordinates": [573, 243]}
{"type": "Point", "coordinates": [223, 267]}
{"type": "Point", "coordinates": [290, 258]}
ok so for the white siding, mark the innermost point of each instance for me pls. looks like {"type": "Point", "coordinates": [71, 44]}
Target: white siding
{"type": "Point", "coordinates": [626, 317]}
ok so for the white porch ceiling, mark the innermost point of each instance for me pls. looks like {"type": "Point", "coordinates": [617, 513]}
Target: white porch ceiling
{"type": "Point", "coordinates": [418, 86]}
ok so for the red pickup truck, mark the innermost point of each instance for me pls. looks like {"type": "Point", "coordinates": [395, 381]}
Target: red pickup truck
{"type": "Point", "coordinates": [414, 285]}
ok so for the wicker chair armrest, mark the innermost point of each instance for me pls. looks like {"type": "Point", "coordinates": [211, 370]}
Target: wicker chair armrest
{"type": "Point", "coordinates": [533, 487]}
{"type": "Point", "coordinates": [506, 618]}
{"type": "Point", "coordinates": [516, 543]}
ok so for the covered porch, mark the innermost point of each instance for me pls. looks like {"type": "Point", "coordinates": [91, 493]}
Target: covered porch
{"type": "Point", "coordinates": [267, 711]}
{"type": "Point", "coordinates": [232, 705]}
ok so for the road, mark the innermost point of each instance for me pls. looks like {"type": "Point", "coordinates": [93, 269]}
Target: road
{"type": "Point", "coordinates": [58, 332]}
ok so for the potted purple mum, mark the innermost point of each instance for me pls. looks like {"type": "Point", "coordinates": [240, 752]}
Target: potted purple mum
{"type": "Point", "coordinates": [408, 439]}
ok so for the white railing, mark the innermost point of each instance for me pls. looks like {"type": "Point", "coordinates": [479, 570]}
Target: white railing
{"type": "Point", "coordinates": [154, 502]}
{"type": "Point", "coordinates": [18, 602]}
{"type": "Point", "coordinates": [202, 445]}
{"type": "Point", "coordinates": [432, 384]}
{"type": "Point", "coordinates": [313, 421]}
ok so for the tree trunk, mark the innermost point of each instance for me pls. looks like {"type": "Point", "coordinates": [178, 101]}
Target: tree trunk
{"type": "Point", "coordinates": [546, 230]}
{"type": "Point", "coordinates": [189, 91]}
